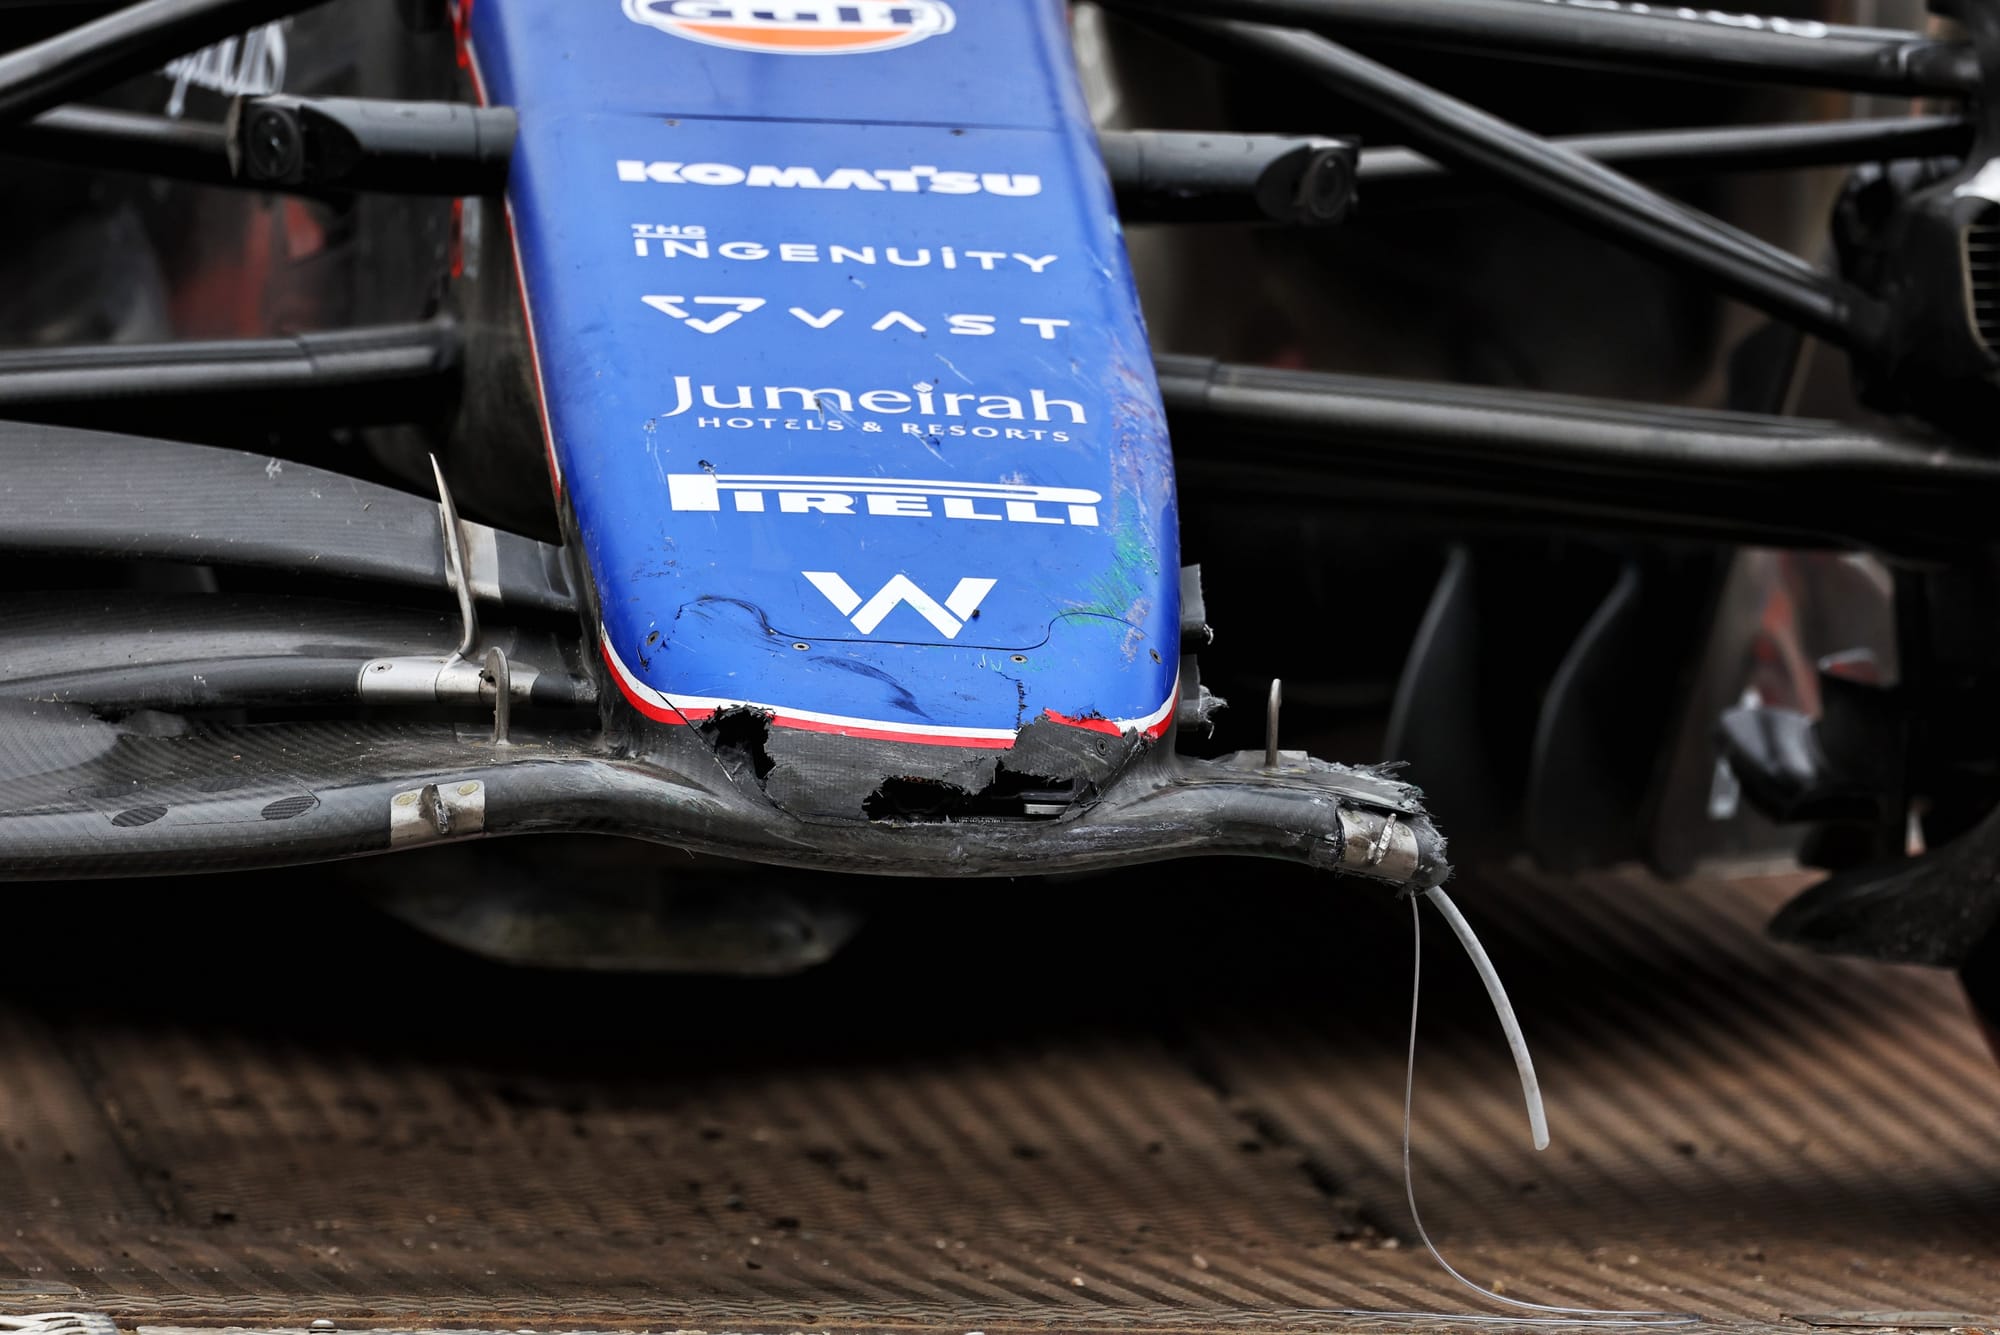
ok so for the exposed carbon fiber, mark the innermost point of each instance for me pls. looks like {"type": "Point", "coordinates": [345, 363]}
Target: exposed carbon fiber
{"type": "Point", "coordinates": [1113, 1105]}
{"type": "Point", "coordinates": [85, 494]}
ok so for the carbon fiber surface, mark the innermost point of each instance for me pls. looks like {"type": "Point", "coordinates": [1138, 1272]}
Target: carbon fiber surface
{"type": "Point", "coordinates": [85, 494]}
{"type": "Point", "coordinates": [1090, 1105]}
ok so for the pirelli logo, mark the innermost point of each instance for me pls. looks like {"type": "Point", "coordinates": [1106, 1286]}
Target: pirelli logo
{"type": "Point", "coordinates": [896, 498]}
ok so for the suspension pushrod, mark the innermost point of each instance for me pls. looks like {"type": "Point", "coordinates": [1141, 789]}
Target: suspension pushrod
{"type": "Point", "coordinates": [1731, 148]}
{"type": "Point", "coordinates": [1634, 38]}
{"type": "Point", "coordinates": [125, 42]}
{"type": "Point", "coordinates": [1464, 137]}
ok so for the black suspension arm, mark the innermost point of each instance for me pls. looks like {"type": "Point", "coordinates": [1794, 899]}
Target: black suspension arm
{"type": "Point", "coordinates": [296, 144]}
{"type": "Point", "coordinates": [81, 136]}
{"type": "Point", "coordinates": [1657, 39]}
{"type": "Point", "coordinates": [1300, 437]}
{"type": "Point", "coordinates": [1160, 175]}
{"type": "Point", "coordinates": [350, 143]}
{"type": "Point", "coordinates": [120, 44]}
{"type": "Point", "coordinates": [1698, 152]}
{"type": "Point", "coordinates": [1464, 137]}
{"type": "Point", "coordinates": [1194, 176]}
{"type": "Point", "coordinates": [1185, 176]}
{"type": "Point", "coordinates": [372, 373]}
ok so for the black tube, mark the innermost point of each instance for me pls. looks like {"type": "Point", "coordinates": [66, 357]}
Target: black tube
{"type": "Point", "coordinates": [1594, 196]}
{"type": "Point", "coordinates": [128, 41]}
{"type": "Point", "coordinates": [1718, 149]}
{"type": "Point", "coordinates": [79, 136]}
{"type": "Point", "coordinates": [275, 682]}
{"type": "Point", "coordinates": [1663, 39]}
{"type": "Point", "coordinates": [357, 375]}
{"type": "Point", "coordinates": [1251, 433]}
{"type": "Point", "coordinates": [347, 143]}
{"type": "Point", "coordinates": [299, 145]}
{"type": "Point", "coordinates": [229, 683]}
{"type": "Point", "coordinates": [1191, 176]}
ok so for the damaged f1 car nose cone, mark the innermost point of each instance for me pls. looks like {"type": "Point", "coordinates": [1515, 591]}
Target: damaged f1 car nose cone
{"type": "Point", "coordinates": [862, 474]}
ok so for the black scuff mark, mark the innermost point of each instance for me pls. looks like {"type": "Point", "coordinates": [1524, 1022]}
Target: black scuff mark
{"type": "Point", "coordinates": [704, 604]}
{"type": "Point", "coordinates": [899, 695]}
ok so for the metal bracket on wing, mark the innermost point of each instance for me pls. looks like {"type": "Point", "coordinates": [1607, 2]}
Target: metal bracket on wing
{"type": "Point", "coordinates": [456, 566]}
{"type": "Point", "coordinates": [459, 678]}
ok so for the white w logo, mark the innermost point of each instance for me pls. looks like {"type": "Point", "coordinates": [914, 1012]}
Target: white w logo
{"type": "Point", "coordinates": [949, 617]}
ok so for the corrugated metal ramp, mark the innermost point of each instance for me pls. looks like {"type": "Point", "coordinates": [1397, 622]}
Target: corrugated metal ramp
{"type": "Point", "coordinates": [1085, 1105]}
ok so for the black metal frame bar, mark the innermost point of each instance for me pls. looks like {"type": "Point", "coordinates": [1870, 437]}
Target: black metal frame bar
{"type": "Point", "coordinates": [93, 137]}
{"type": "Point", "coordinates": [128, 41]}
{"type": "Point", "coordinates": [1631, 38]}
{"type": "Point", "coordinates": [1697, 152]}
{"type": "Point", "coordinates": [307, 146]}
{"type": "Point", "coordinates": [1302, 437]}
{"type": "Point", "coordinates": [342, 375]}
{"type": "Point", "coordinates": [1228, 177]}
{"type": "Point", "coordinates": [1461, 135]}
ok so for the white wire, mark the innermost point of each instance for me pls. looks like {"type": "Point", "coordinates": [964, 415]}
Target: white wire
{"type": "Point", "coordinates": [1517, 1043]}
{"type": "Point", "coordinates": [1558, 1316]}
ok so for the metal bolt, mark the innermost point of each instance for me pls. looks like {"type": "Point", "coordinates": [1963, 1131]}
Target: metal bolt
{"type": "Point", "coordinates": [467, 789]}
{"type": "Point", "coordinates": [1324, 193]}
{"type": "Point", "coordinates": [272, 146]}
{"type": "Point", "coordinates": [406, 799]}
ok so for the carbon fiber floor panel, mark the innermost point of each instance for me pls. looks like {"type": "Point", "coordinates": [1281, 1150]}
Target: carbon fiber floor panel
{"type": "Point", "coordinates": [1088, 1105]}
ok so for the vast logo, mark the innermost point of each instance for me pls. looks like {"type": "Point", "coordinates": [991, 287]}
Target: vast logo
{"type": "Point", "coordinates": [966, 323]}
{"type": "Point", "coordinates": [828, 29]}
{"type": "Point", "coordinates": [738, 308]}
{"type": "Point", "coordinates": [949, 616]}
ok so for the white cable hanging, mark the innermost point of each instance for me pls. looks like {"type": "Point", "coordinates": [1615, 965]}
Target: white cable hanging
{"type": "Point", "coordinates": [1531, 1091]}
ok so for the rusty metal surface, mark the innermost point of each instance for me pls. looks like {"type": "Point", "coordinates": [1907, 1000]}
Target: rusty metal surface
{"type": "Point", "coordinates": [1085, 1105]}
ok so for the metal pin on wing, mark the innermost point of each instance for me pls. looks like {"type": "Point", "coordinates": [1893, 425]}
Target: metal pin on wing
{"type": "Point", "coordinates": [456, 566]}
{"type": "Point", "coordinates": [1271, 725]}
{"type": "Point", "coordinates": [502, 678]}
